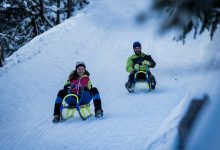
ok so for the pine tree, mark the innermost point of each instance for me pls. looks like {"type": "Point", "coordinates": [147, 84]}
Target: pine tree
{"type": "Point", "coordinates": [21, 21]}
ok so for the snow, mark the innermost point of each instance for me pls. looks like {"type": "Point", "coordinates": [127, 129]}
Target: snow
{"type": "Point", "coordinates": [101, 35]}
{"type": "Point", "coordinates": [5, 5]}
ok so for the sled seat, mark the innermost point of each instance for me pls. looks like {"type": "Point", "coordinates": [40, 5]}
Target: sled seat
{"type": "Point", "coordinates": [142, 77]}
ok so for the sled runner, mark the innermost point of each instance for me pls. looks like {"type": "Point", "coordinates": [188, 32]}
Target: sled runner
{"type": "Point", "coordinates": [72, 103]}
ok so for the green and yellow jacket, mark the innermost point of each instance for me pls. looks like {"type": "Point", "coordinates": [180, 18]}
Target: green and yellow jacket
{"type": "Point", "coordinates": [137, 59]}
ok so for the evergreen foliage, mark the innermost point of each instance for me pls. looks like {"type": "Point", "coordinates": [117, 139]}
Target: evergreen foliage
{"type": "Point", "coordinates": [22, 20]}
{"type": "Point", "coordinates": [189, 15]}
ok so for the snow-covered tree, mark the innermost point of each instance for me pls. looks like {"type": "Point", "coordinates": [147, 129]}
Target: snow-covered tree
{"type": "Point", "coordinates": [22, 20]}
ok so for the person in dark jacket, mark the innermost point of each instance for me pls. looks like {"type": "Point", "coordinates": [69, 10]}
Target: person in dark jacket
{"type": "Point", "coordinates": [139, 61]}
{"type": "Point", "coordinates": [78, 82]}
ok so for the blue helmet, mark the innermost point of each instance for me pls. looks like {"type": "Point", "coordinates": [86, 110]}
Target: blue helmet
{"type": "Point", "coordinates": [136, 44]}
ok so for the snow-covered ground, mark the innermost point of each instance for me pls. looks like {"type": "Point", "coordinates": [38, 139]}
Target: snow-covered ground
{"type": "Point", "coordinates": [101, 35]}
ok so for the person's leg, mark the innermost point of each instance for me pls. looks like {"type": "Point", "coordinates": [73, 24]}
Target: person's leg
{"type": "Point", "coordinates": [61, 94]}
{"type": "Point", "coordinates": [152, 80]}
{"type": "Point", "coordinates": [97, 101]}
{"type": "Point", "coordinates": [131, 78]}
{"type": "Point", "coordinates": [130, 84]}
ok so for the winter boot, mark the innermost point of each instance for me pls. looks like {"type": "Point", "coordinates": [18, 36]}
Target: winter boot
{"type": "Point", "coordinates": [98, 108]}
{"type": "Point", "coordinates": [152, 82]}
{"type": "Point", "coordinates": [130, 87]}
{"type": "Point", "coordinates": [99, 114]}
{"type": "Point", "coordinates": [56, 119]}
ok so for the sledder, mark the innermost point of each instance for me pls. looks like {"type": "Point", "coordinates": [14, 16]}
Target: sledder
{"type": "Point", "coordinates": [138, 65]}
{"type": "Point", "coordinates": [77, 95]}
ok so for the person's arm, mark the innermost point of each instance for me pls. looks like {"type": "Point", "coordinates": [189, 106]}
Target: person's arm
{"type": "Point", "coordinates": [66, 85]}
{"type": "Point", "coordinates": [150, 59]}
{"type": "Point", "coordinates": [129, 66]}
{"type": "Point", "coordinates": [89, 84]}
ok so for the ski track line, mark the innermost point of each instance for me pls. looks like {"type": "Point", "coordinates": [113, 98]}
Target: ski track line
{"type": "Point", "coordinates": [34, 132]}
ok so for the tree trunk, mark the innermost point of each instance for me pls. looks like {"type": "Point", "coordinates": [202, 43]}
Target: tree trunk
{"type": "Point", "coordinates": [58, 12]}
{"type": "Point", "coordinates": [35, 26]}
{"type": "Point", "coordinates": [1, 56]}
{"type": "Point", "coordinates": [42, 10]}
{"type": "Point", "coordinates": [69, 8]}
{"type": "Point", "coordinates": [43, 18]}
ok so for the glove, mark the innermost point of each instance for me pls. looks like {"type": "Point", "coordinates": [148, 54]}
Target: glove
{"type": "Point", "coordinates": [72, 85]}
{"type": "Point", "coordinates": [136, 67]}
{"type": "Point", "coordinates": [145, 62]}
{"type": "Point", "coordinates": [86, 89]}
{"type": "Point", "coordinates": [66, 87]}
{"type": "Point", "coordinates": [69, 87]}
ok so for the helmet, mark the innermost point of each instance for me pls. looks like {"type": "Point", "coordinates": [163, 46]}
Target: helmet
{"type": "Point", "coordinates": [78, 64]}
{"type": "Point", "coordinates": [136, 44]}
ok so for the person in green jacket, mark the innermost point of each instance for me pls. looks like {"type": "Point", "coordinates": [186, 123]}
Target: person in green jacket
{"type": "Point", "coordinates": [139, 61]}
